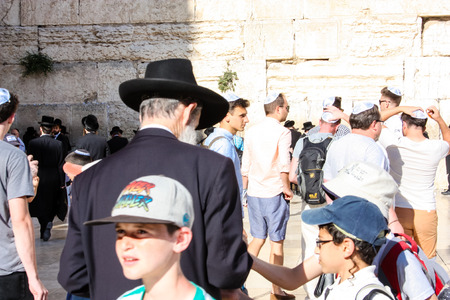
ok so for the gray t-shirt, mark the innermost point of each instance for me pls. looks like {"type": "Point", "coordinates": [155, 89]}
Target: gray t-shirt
{"type": "Point", "coordinates": [15, 181]}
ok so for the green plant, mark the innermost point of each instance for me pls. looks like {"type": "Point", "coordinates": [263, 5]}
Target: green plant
{"type": "Point", "coordinates": [36, 63]}
{"type": "Point", "coordinates": [226, 81]}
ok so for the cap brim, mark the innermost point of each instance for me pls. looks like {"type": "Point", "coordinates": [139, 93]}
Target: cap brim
{"type": "Point", "coordinates": [126, 219]}
{"type": "Point", "coordinates": [214, 106]}
{"type": "Point", "coordinates": [317, 216]}
{"type": "Point", "coordinates": [72, 169]}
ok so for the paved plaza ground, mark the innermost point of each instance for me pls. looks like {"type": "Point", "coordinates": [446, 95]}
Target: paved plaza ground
{"type": "Point", "coordinates": [48, 253]}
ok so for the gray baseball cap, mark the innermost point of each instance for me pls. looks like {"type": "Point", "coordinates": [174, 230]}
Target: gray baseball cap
{"type": "Point", "coordinates": [152, 199]}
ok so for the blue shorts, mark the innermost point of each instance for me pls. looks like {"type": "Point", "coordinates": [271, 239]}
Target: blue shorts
{"type": "Point", "coordinates": [268, 215]}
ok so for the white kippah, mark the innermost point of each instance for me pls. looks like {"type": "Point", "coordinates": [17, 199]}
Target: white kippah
{"type": "Point", "coordinates": [82, 152]}
{"type": "Point", "coordinates": [328, 117]}
{"type": "Point", "coordinates": [361, 106]}
{"type": "Point", "coordinates": [418, 114]}
{"type": "Point", "coordinates": [230, 96]}
{"type": "Point", "coordinates": [4, 96]}
{"type": "Point", "coordinates": [271, 97]}
{"type": "Point", "coordinates": [394, 90]}
{"type": "Point", "coordinates": [328, 101]}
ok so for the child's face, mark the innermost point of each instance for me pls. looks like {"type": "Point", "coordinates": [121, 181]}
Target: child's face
{"type": "Point", "coordinates": [144, 250]}
{"type": "Point", "coordinates": [329, 254]}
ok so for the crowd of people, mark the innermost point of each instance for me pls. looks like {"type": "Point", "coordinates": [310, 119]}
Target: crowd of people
{"type": "Point", "coordinates": [171, 209]}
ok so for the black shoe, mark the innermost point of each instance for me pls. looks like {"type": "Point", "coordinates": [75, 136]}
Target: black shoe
{"type": "Point", "coordinates": [447, 192]}
{"type": "Point", "coordinates": [47, 233]}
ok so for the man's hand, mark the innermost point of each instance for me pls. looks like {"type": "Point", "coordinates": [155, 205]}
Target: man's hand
{"type": "Point", "coordinates": [33, 165]}
{"type": "Point", "coordinates": [410, 109]}
{"type": "Point", "coordinates": [37, 289]}
{"type": "Point", "coordinates": [288, 194]}
{"type": "Point", "coordinates": [433, 112]}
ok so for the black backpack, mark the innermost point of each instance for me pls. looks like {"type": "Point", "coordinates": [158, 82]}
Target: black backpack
{"type": "Point", "coordinates": [310, 174]}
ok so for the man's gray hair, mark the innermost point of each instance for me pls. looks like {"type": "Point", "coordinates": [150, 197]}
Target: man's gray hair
{"type": "Point", "coordinates": [159, 108]}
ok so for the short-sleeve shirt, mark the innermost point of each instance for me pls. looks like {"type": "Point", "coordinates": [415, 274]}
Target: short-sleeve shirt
{"type": "Point", "coordinates": [341, 131]}
{"type": "Point", "coordinates": [413, 167]}
{"type": "Point", "coordinates": [16, 182]}
{"type": "Point", "coordinates": [138, 294]}
{"type": "Point", "coordinates": [353, 148]}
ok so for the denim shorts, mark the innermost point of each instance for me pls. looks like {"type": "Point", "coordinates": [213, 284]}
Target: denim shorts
{"type": "Point", "coordinates": [268, 216]}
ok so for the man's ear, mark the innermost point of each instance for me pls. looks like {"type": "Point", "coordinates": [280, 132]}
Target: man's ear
{"type": "Point", "coordinates": [11, 118]}
{"type": "Point", "coordinates": [348, 247]}
{"type": "Point", "coordinates": [184, 237]}
{"type": "Point", "coordinates": [186, 113]}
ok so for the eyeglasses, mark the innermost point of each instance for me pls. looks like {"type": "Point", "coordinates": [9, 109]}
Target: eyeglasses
{"type": "Point", "coordinates": [320, 242]}
{"type": "Point", "coordinates": [381, 101]}
{"type": "Point", "coordinates": [287, 108]}
{"type": "Point", "coordinates": [379, 121]}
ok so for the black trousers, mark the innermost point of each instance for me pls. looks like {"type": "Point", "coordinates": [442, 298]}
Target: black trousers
{"type": "Point", "coordinates": [15, 287]}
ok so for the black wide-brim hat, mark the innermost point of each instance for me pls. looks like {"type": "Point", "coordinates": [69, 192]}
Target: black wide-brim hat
{"type": "Point", "coordinates": [47, 121]}
{"type": "Point", "coordinates": [174, 78]}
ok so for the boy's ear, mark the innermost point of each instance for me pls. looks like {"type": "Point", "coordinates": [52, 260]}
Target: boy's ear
{"type": "Point", "coordinates": [348, 247]}
{"type": "Point", "coordinates": [184, 237]}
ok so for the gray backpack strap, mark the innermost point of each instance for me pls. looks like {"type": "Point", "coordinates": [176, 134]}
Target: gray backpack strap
{"type": "Point", "coordinates": [374, 290]}
{"type": "Point", "coordinates": [212, 142]}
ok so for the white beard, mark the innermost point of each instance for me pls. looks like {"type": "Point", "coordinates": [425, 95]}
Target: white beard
{"type": "Point", "coordinates": [189, 135]}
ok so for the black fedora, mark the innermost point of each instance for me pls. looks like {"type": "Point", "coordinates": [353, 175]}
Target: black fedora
{"type": "Point", "coordinates": [307, 126]}
{"type": "Point", "coordinates": [115, 129]}
{"type": "Point", "coordinates": [174, 78]}
{"type": "Point", "coordinates": [47, 121]}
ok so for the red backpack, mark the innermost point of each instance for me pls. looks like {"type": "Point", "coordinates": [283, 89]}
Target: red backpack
{"type": "Point", "coordinates": [387, 271]}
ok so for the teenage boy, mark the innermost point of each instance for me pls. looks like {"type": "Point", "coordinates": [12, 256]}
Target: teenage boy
{"type": "Point", "coordinates": [153, 218]}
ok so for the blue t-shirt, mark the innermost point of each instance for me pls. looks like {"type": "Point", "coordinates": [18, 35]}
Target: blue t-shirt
{"type": "Point", "coordinates": [138, 294]}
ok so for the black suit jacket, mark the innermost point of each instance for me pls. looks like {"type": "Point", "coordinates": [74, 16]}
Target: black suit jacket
{"type": "Point", "coordinates": [49, 153]}
{"type": "Point", "coordinates": [216, 258]}
{"type": "Point", "coordinates": [96, 145]}
{"type": "Point", "coordinates": [65, 143]}
{"type": "Point", "coordinates": [116, 143]}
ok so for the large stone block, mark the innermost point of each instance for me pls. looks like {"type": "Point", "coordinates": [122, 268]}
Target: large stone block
{"type": "Point", "coordinates": [276, 10]}
{"type": "Point", "coordinates": [102, 43]}
{"type": "Point", "coordinates": [30, 90]}
{"type": "Point", "coordinates": [49, 12]}
{"type": "Point", "coordinates": [436, 37]}
{"type": "Point", "coordinates": [126, 118]}
{"type": "Point", "coordinates": [15, 41]}
{"type": "Point", "coordinates": [10, 12]}
{"type": "Point", "coordinates": [136, 11]}
{"type": "Point", "coordinates": [207, 10]}
{"type": "Point", "coordinates": [426, 79]}
{"type": "Point", "coordinates": [110, 76]}
{"type": "Point", "coordinates": [378, 36]}
{"type": "Point", "coordinates": [273, 40]}
{"type": "Point", "coordinates": [316, 39]}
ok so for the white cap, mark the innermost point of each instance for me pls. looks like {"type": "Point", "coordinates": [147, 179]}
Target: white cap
{"type": "Point", "coordinates": [4, 96]}
{"type": "Point", "coordinates": [367, 181]}
{"type": "Point", "coordinates": [152, 199]}
{"type": "Point", "coordinates": [328, 101]}
{"type": "Point", "coordinates": [361, 106]}
{"type": "Point", "coordinates": [230, 96]}
{"type": "Point", "coordinates": [418, 114]}
{"type": "Point", "coordinates": [272, 96]}
{"type": "Point", "coordinates": [328, 117]}
{"type": "Point", "coordinates": [394, 90]}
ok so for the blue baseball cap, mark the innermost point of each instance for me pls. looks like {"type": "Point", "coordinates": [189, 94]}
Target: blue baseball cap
{"type": "Point", "coordinates": [355, 217]}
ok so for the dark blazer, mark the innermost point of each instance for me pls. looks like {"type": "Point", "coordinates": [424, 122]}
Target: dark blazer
{"type": "Point", "coordinates": [116, 143]}
{"type": "Point", "coordinates": [96, 145]}
{"type": "Point", "coordinates": [216, 258]}
{"type": "Point", "coordinates": [48, 152]}
{"type": "Point", "coordinates": [65, 143]}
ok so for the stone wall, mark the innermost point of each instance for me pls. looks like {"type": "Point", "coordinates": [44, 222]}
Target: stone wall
{"type": "Point", "coordinates": [309, 49]}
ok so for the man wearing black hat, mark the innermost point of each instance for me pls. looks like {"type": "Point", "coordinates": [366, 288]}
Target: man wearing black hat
{"type": "Point", "coordinates": [49, 153]}
{"type": "Point", "coordinates": [116, 142]}
{"type": "Point", "coordinates": [90, 141]}
{"type": "Point", "coordinates": [171, 106]}
{"type": "Point", "coordinates": [60, 136]}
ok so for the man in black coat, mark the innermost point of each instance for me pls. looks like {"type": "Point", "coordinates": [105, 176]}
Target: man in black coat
{"type": "Point", "coordinates": [61, 137]}
{"type": "Point", "coordinates": [174, 104]}
{"type": "Point", "coordinates": [116, 142]}
{"type": "Point", "coordinates": [49, 153]}
{"type": "Point", "coordinates": [94, 144]}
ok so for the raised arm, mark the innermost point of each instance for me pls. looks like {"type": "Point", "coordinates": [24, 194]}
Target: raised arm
{"type": "Point", "coordinates": [433, 112]}
{"type": "Point", "coordinates": [24, 238]}
{"type": "Point", "coordinates": [288, 278]}
{"type": "Point", "coordinates": [387, 113]}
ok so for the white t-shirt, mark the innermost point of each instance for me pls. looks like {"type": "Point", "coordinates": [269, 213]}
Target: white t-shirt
{"type": "Point", "coordinates": [413, 283]}
{"type": "Point", "coordinates": [353, 148]}
{"type": "Point", "coordinates": [348, 289]}
{"type": "Point", "coordinates": [395, 123]}
{"type": "Point", "coordinates": [413, 167]}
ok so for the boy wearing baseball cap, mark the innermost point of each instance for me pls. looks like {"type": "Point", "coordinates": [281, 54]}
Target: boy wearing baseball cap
{"type": "Point", "coordinates": [153, 216]}
{"type": "Point", "coordinates": [350, 229]}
